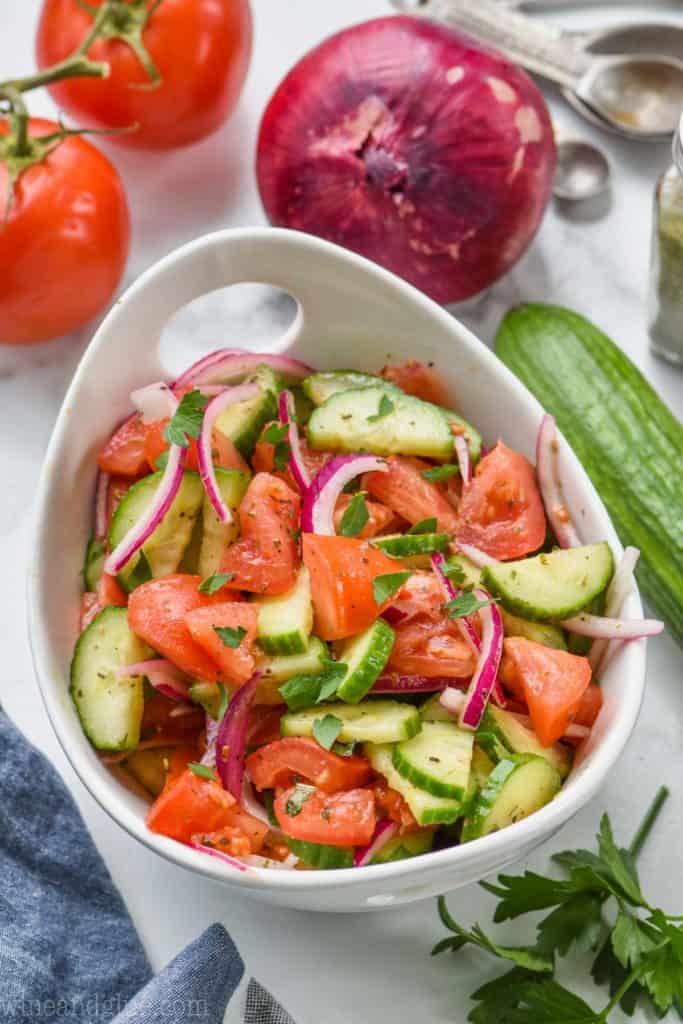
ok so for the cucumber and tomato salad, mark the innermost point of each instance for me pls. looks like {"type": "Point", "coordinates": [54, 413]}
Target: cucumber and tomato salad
{"type": "Point", "coordinates": [279, 656]}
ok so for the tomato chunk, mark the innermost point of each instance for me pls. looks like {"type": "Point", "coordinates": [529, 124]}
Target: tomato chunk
{"type": "Point", "coordinates": [190, 804]}
{"type": "Point", "coordinates": [263, 460]}
{"type": "Point", "coordinates": [273, 766]}
{"type": "Point", "coordinates": [501, 511]}
{"type": "Point", "coordinates": [336, 819]}
{"type": "Point", "coordinates": [236, 663]}
{"type": "Point", "coordinates": [424, 647]}
{"type": "Point", "coordinates": [266, 557]}
{"type": "Point", "coordinates": [124, 452]}
{"type": "Point", "coordinates": [554, 683]}
{"type": "Point", "coordinates": [223, 451]}
{"type": "Point", "coordinates": [109, 592]}
{"type": "Point", "coordinates": [403, 488]}
{"type": "Point", "coordinates": [394, 806]}
{"type": "Point", "coordinates": [590, 706]}
{"type": "Point", "coordinates": [342, 570]}
{"type": "Point", "coordinates": [379, 516]}
{"type": "Point", "coordinates": [156, 612]}
{"type": "Point", "coordinates": [117, 488]}
{"type": "Point", "coordinates": [418, 379]}
{"type": "Point", "coordinates": [158, 719]}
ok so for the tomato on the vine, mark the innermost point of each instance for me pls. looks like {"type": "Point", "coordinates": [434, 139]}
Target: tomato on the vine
{"type": "Point", "coordinates": [65, 240]}
{"type": "Point", "coordinates": [199, 48]}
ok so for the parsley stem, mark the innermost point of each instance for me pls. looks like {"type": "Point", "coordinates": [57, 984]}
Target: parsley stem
{"type": "Point", "coordinates": [630, 979]}
{"type": "Point", "coordinates": [648, 822]}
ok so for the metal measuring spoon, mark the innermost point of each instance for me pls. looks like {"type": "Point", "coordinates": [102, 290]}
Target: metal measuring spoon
{"type": "Point", "coordinates": [583, 171]}
{"type": "Point", "coordinates": [640, 95]}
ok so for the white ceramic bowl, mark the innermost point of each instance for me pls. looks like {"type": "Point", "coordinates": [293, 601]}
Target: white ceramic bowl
{"type": "Point", "coordinates": [351, 313]}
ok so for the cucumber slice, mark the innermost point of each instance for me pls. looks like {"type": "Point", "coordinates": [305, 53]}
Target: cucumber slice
{"type": "Point", "coordinates": [402, 847]}
{"type": "Point", "coordinates": [551, 586]}
{"type": "Point", "coordinates": [217, 536]}
{"type": "Point", "coordinates": [462, 572]}
{"type": "Point", "coordinates": [310, 662]}
{"type": "Point", "coordinates": [501, 734]}
{"type": "Point", "coordinates": [243, 422]}
{"type": "Point", "coordinates": [346, 422]}
{"type": "Point", "coordinates": [318, 855]}
{"type": "Point", "coordinates": [303, 406]}
{"type": "Point", "coordinates": [433, 710]}
{"type": "Point", "coordinates": [516, 788]}
{"type": "Point", "coordinates": [471, 433]}
{"type": "Point", "coordinates": [150, 767]}
{"type": "Point", "coordinates": [93, 562]}
{"type": "Point", "coordinates": [165, 548]}
{"type": "Point", "coordinates": [427, 809]}
{"type": "Point", "coordinates": [377, 721]}
{"type": "Point", "coordinates": [408, 545]}
{"type": "Point", "coordinates": [110, 708]}
{"type": "Point", "coordinates": [321, 386]}
{"type": "Point", "coordinates": [438, 760]}
{"type": "Point", "coordinates": [207, 695]}
{"type": "Point", "coordinates": [482, 766]}
{"type": "Point", "coordinates": [540, 632]}
{"type": "Point", "coordinates": [365, 656]}
{"type": "Point", "coordinates": [285, 622]}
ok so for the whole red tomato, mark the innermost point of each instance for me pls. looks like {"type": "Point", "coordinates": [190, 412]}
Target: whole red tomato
{"type": "Point", "coordinates": [200, 48]}
{"type": "Point", "coordinates": [64, 245]}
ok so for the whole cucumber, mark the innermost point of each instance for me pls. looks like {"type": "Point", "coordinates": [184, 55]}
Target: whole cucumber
{"type": "Point", "coordinates": [629, 442]}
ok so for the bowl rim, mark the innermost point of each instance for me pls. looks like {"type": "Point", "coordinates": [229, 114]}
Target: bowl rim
{"type": "Point", "coordinates": [500, 845]}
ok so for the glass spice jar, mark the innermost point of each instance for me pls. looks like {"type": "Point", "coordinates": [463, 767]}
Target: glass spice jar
{"type": "Point", "coordinates": [666, 270]}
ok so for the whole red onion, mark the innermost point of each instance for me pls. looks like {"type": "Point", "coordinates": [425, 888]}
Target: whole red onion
{"type": "Point", "coordinates": [409, 143]}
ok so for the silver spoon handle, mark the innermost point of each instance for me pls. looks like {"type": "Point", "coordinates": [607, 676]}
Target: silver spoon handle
{"type": "Point", "coordinates": [540, 48]}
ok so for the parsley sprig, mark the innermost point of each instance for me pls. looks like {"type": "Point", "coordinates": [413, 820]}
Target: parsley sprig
{"type": "Point", "coordinates": [639, 955]}
{"type": "Point", "coordinates": [187, 419]}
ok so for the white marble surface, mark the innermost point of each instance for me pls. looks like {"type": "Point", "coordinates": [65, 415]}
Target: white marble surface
{"type": "Point", "coordinates": [371, 968]}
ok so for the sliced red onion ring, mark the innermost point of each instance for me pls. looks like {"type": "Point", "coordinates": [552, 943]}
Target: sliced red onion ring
{"type": "Point", "coordinates": [453, 700]}
{"type": "Point", "coordinates": [476, 555]}
{"type": "Point", "coordinates": [462, 450]}
{"type": "Point", "coordinates": [153, 514]}
{"type": "Point", "coordinates": [397, 683]}
{"type": "Point", "coordinates": [484, 678]}
{"type": "Point", "coordinates": [154, 402]}
{"type": "Point", "coordinates": [101, 492]}
{"type": "Point", "coordinates": [227, 365]}
{"type": "Point", "coordinates": [547, 470]}
{"type": "Point", "coordinates": [92, 613]}
{"type": "Point", "coordinates": [162, 675]}
{"type": "Point", "coordinates": [617, 592]}
{"type": "Point", "coordinates": [231, 742]}
{"type": "Point", "coordinates": [250, 803]}
{"type": "Point", "coordinates": [466, 628]}
{"type": "Point", "coordinates": [233, 862]}
{"type": "Point", "coordinates": [612, 629]}
{"type": "Point", "coordinates": [385, 830]}
{"type": "Point", "coordinates": [211, 730]}
{"type": "Point", "coordinates": [317, 514]}
{"type": "Point", "coordinates": [576, 733]}
{"type": "Point", "coordinates": [297, 466]}
{"type": "Point", "coordinates": [217, 405]}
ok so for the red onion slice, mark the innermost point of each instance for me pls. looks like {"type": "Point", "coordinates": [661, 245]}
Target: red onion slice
{"type": "Point", "coordinates": [466, 628]}
{"type": "Point", "coordinates": [317, 514]}
{"type": "Point", "coordinates": [101, 493]}
{"type": "Point", "coordinates": [297, 466]}
{"type": "Point", "coordinates": [476, 556]}
{"type": "Point", "coordinates": [612, 629]}
{"type": "Point", "coordinates": [154, 402]}
{"type": "Point", "coordinates": [253, 806]}
{"type": "Point", "coordinates": [397, 683]}
{"type": "Point", "coordinates": [453, 700]}
{"type": "Point", "coordinates": [231, 741]}
{"type": "Point", "coordinates": [211, 730]}
{"type": "Point", "coordinates": [162, 675]}
{"type": "Point", "coordinates": [227, 365]}
{"type": "Point", "coordinates": [619, 589]}
{"type": "Point", "coordinates": [484, 678]}
{"type": "Point", "coordinates": [462, 450]}
{"type": "Point", "coordinates": [217, 405]}
{"type": "Point", "coordinates": [152, 516]}
{"type": "Point", "coordinates": [233, 862]}
{"type": "Point", "coordinates": [385, 830]}
{"type": "Point", "coordinates": [547, 470]}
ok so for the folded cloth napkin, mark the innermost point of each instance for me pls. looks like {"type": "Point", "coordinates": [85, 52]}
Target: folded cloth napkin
{"type": "Point", "coordinates": [68, 949]}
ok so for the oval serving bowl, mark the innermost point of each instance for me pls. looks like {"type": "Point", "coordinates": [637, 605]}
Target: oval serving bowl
{"type": "Point", "coordinates": [350, 313]}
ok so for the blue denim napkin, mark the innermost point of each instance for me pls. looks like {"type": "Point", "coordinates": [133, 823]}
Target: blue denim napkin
{"type": "Point", "coordinates": [68, 949]}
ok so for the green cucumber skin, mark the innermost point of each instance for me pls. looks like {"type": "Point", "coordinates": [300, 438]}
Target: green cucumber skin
{"type": "Point", "coordinates": [413, 544]}
{"type": "Point", "coordinates": [358, 682]}
{"type": "Point", "coordinates": [629, 442]}
{"type": "Point", "coordinates": [286, 643]}
{"type": "Point", "coordinates": [401, 847]}
{"type": "Point", "coordinates": [477, 824]}
{"type": "Point", "coordinates": [95, 554]}
{"type": "Point", "coordinates": [317, 855]}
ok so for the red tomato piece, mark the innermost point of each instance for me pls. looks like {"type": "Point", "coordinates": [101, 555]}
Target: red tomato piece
{"type": "Point", "coordinates": [501, 511]}
{"type": "Point", "coordinates": [379, 516]}
{"type": "Point", "coordinates": [236, 663]}
{"type": "Point", "coordinates": [124, 452]}
{"type": "Point", "coordinates": [418, 379]}
{"type": "Point", "coordinates": [109, 592]}
{"type": "Point", "coordinates": [117, 489]}
{"type": "Point", "coordinates": [265, 559]}
{"type": "Point", "coordinates": [264, 723]}
{"type": "Point", "coordinates": [590, 706]}
{"type": "Point", "coordinates": [223, 451]}
{"type": "Point", "coordinates": [159, 719]}
{"type": "Point", "coordinates": [336, 819]}
{"type": "Point", "coordinates": [409, 495]}
{"type": "Point", "coordinates": [156, 612]}
{"type": "Point", "coordinates": [394, 806]}
{"type": "Point", "coordinates": [189, 804]}
{"type": "Point", "coordinates": [263, 460]}
{"type": "Point", "coordinates": [273, 766]}
{"type": "Point", "coordinates": [342, 570]}
{"type": "Point", "coordinates": [554, 683]}
{"type": "Point", "coordinates": [179, 760]}
{"type": "Point", "coordinates": [422, 594]}
{"type": "Point", "coordinates": [423, 647]}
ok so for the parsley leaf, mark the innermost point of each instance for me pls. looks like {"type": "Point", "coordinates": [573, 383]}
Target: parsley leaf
{"type": "Point", "coordinates": [277, 434]}
{"type": "Point", "coordinates": [523, 956]}
{"type": "Point", "coordinates": [213, 583]}
{"type": "Point", "coordinates": [326, 730]}
{"type": "Point", "coordinates": [229, 636]}
{"type": "Point", "coordinates": [187, 419]}
{"type": "Point", "coordinates": [520, 997]}
{"type": "Point", "coordinates": [355, 516]}
{"type": "Point", "coordinates": [202, 770]}
{"type": "Point", "coordinates": [465, 605]}
{"type": "Point", "coordinates": [578, 922]}
{"type": "Point", "coordinates": [303, 691]}
{"type": "Point", "coordinates": [161, 460]}
{"type": "Point", "coordinates": [617, 862]}
{"type": "Point", "coordinates": [384, 587]}
{"type": "Point", "coordinates": [386, 406]}
{"type": "Point", "coordinates": [454, 570]}
{"type": "Point", "coordinates": [142, 572]}
{"type": "Point", "coordinates": [223, 705]}
{"type": "Point", "coordinates": [344, 749]}
{"type": "Point", "coordinates": [438, 473]}
{"type": "Point", "coordinates": [424, 526]}
{"type": "Point", "coordinates": [297, 798]}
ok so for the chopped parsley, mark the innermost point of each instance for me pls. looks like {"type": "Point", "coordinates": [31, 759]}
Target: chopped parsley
{"type": "Point", "coordinates": [384, 587]}
{"type": "Point", "coordinates": [326, 730]}
{"type": "Point", "coordinates": [438, 473]}
{"type": "Point", "coordinates": [297, 798]}
{"type": "Point", "coordinates": [202, 770]}
{"type": "Point", "coordinates": [464, 605]}
{"type": "Point", "coordinates": [187, 419]}
{"type": "Point", "coordinates": [355, 516]}
{"type": "Point", "coordinates": [229, 636]}
{"type": "Point", "coordinates": [386, 406]}
{"type": "Point", "coordinates": [424, 526]}
{"type": "Point", "coordinates": [213, 583]}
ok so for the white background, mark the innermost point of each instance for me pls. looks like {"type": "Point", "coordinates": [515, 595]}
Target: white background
{"type": "Point", "coordinates": [371, 968]}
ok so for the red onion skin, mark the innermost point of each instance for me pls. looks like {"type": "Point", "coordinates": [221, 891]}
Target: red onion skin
{"type": "Point", "coordinates": [411, 144]}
